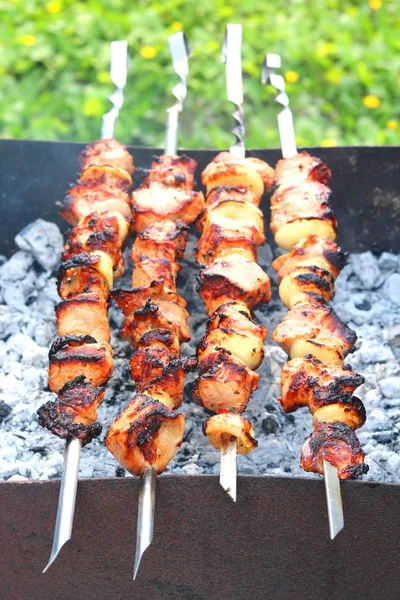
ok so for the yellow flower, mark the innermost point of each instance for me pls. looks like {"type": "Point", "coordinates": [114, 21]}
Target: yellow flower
{"type": "Point", "coordinates": [53, 7]}
{"type": "Point", "coordinates": [28, 39]}
{"type": "Point", "coordinates": [375, 4]}
{"type": "Point", "coordinates": [326, 49]}
{"type": "Point", "coordinates": [213, 46]}
{"type": "Point", "coordinates": [103, 77]}
{"type": "Point", "coordinates": [176, 26]}
{"type": "Point", "coordinates": [392, 124]}
{"type": "Point", "coordinates": [148, 52]}
{"type": "Point", "coordinates": [371, 101]}
{"type": "Point", "coordinates": [292, 76]}
{"type": "Point", "coordinates": [328, 143]}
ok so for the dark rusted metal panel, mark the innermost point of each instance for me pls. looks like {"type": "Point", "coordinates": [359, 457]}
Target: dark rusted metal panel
{"type": "Point", "coordinates": [34, 176]}
{"type": "Point", "coordinates": [273, 544]}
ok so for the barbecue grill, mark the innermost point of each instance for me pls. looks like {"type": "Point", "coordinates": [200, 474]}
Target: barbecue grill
{"type": "Point", "coordinates": [273, 543]}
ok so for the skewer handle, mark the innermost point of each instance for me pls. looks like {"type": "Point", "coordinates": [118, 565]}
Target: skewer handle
{"type": "Point", "coordinates": [118, 73]}
{"type": "Point", "coordinates": [285, 117]}
{"type": "Point", "coordinates": [66, 499]}
{"type": "Point", "coordinates": [180, 53]}
{"type": "Point", "coordinates": [232, 57]}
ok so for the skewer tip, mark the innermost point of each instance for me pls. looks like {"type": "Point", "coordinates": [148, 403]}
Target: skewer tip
{"type": "Point", "coordinates": [145, 522]}
{"type": "Point", "coordinates": [333, 499]}
{"type": "Point", "coordinates": [228, 471]}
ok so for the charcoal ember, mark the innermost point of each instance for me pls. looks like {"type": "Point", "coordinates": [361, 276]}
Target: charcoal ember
{"type": "Point", "coordinates": [5, 410]}
{"type": "Point", "coordinates": [390, 388]}
{"type": "Point", "coordinates": [16, 268]}
{"type": "Point", "coordinates": [388, 261]}
{"type": "Point", "coordinates": [365, 266]}
{"type": "Point", "coordinates": [391, 288]}
{"type": "Point", "coordinates": [393, 337]}
{"type": "Point", "coordinates": [270, 424]}
{"type": "Point", "coordinates": [44, 241]}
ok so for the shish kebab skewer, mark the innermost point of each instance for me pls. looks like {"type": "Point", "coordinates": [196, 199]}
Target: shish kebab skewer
{"type": "Point", "coordinates": [312, 334]}
{"type": "Point", "coordinates": [231, 283]}
{"type": "Point", "coordinates": [144, 437]}
{"type": "Point", "coordinates": [81, 363]}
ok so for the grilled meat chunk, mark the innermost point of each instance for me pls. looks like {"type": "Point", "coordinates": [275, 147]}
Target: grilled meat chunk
{"type": "Point", "coordinates": [80, 275]}
{"type": "Point", "coordinates": [309, 382]}
{"type": "Point", "coordinates": [226, 170]}
{"type": "Point", "coordinates": [159, 203]}
{"type": "Point", "coordinates": [249, 348]}
{"type": "Point", "coordinates": [236, 316]}
{"type": "Point", "coordinates": [172, 171]}
{"type": "Point", "coordinates": [163, 239]}
{"type": "Point", "coordinates": [228, 425]}
{"type": "Point", "coordinates": [305, 283]}
{"type": "Point", "coordinates": [107, 152]}
{"type": "Point", "coordinates": [352, 413]}
{"type": "Point", "coordinates": [225, 382]}
{"type": "Point", "coordinates": [337, 444]}
{"type": "Point", "coordinates": [98, 231]}
{"type": "Point", "coordinates": [221, 193]}
{"type": "Point", "coordinates": [83, 200]}
{"type": "Point", "coordinates": [160, 314]}
{"type": "Point", "coordinates": [160, 338]}
{"type": "Point", "coordinates": [159, 374]}
{"type": "Point", "coordinates": [111, 177]}
{"type": "Point", "coordinates": [233, 278]}
{"type": "Point", "coordinates": [223, 236]}
{"type": "Point", "coordinates": [129, 301]}
{"type": "Point", "coordinates": [74, 413]}
{"type": "Point", "coordinates": [311, 251]}
{"type": "Point", "coordinates": [159, 270]}
{"type": "Point", "coordinates": [299, 211]}
{"type": "Point", "coordinates": [300, 169]}
{"type": "Point", "coordinates": [84, 315]}
{"type": "Point", "coordinates": [146, 434]}
{"type": "Point", "coordinates": [74, 356]}
{"type": "Point", "coordinates": [314, 321]}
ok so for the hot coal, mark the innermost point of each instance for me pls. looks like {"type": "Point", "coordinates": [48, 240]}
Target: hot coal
{"type": "Point", "coordinates": [367, 297]}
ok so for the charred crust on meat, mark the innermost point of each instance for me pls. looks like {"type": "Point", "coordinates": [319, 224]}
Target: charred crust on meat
{"type": "Point", "coordinates": [69, 340]}
{"type": "Point", "coordinates": [51, 416]}
{"type": "Point", "coordinates": [148, 309]}
{"type": "Point", "coordinates": [336, 258]}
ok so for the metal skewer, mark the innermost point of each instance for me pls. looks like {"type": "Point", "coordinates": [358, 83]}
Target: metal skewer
{"type": "Point", "coordinates": [180, 53]}
{"type": "Point", "coordinates": [232, 57]}
{"type": "Point", "coordinates": [289, 149]}
{"type": "Point", "coordinates": [72, 453]}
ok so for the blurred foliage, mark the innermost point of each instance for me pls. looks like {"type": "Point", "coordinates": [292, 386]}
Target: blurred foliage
{"type": "Point", "coordinates": [341, 61]}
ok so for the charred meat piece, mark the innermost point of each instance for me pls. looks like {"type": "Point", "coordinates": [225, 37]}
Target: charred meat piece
{"type": "Point", "coordinates": [314, 321]}
{"type": "Point", "coordinates": [228, 425]}
{"type": "Point", "coordinates": [159, 374]}
{"type": "Point", "coordinates": [312, 250]}
{"type": "Point", "coordinates": [84, 315]}
{"type": "Point", "coordinates": [237, 317]}
{"type": "Point", "coordinates": [248, 348]}
{"type": "Point", "coordinates": [159, 203]}
{"type": "Point", "coordinates": [172, 171]}
{"type": "Point", "coordinates": [300, 169]}
{"type": "Point", "coordinates": [164, 239]}
{"type": "Point", "coordinates": [225, 382]}
{"type": "Point", "coordinates": [352, 413]}
{"type": "Point", "coordinates": [129, 301]}
{"type": "Point", "coordinates": [155, 270]}
{"type": "Point", "coordinates": [160, 338]}
{"type": "Point", "coordinates": [78, 357]}
{"type": "Point", "coordinates": [107, 152]}
{"type": "Point", "coordinates": [74, 413]}
{"type": "Point", "coordinates": [80, 275]}
{"type": "Point", "coordinates": [305, 283]}
{"type": "Point", "coordinates": [221, 193]}
{"type": "Point", "coordinates": [337, 444]}
{"type": "Point", "coordinates": [221, 236]}
{"type": "Point", "coordinates": [298, 211]}
{"type": "Point", "coordinates": [111, 177]}
{"type": "Point", "coordinates": [98, 231]}
{"type": "Point", "coordinates": [233, 278]}
{"type": "Point", "coordinates": [83, 200]}
{"type": "Point", "coordinates": [309, 382]}
{"type": "Point", "coordinates": [146, 434]}
{"type": "Point", "coordinates": [226, 170]}
{"type": "Point", "coordinates": [160, 314]}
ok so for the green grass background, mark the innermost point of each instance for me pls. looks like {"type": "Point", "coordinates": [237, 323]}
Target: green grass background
{"type": "Point", "coordinates": [57, 87]}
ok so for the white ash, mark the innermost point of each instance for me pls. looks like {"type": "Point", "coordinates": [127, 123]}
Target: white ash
{"type": "Point", "coordinates": [367, 297]}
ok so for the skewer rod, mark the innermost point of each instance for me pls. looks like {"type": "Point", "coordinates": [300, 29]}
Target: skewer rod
{"type": "Point", "coordinates": [66, 500]}
{"type": "Point", "coordinates": [333, 499]}
{"type": "Point", "coordinates": [227, 474]}
{"type": "Point", "coordinates": [180, 53]}
{"type": "Point", "coordinates": [145, 522]}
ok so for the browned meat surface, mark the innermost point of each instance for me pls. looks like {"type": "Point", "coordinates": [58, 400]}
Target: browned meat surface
{"type": "Point", "coordinates": [306, 284]}
{"type": "Point", "coordinates": [337, 444]}
{"type": "Point", "coordinates": [74, 412]}
{"type": "Point", "coordinates": [146, 434]}
{"type": "Point", "coordinates": [159, 270]}
{"type": "Point", "coordinates": [84, 315]}
{"type": "Point", "coordinates": [80, 275]}
{"type": "Point", "coordinates": [107, 152]}
{"type": "Point", "coordinates": [221, 236]}
{"type": "Point", "coordinates": [157, 314]}
{"type": "Point", "coordinates": [233, 278]}
{"type": "Point", "coordinates": [312, 250]}
{"type": "Point", "coordinates": [301, 168]}
{"type": "Point", "coordinates": [164, 239]}
{"type": "Point", "coordinates": [83, 200]}
{"type": "Point", "coordinates": [219, 194]}
{"type": "Point", "coordinates": [172, 171]}
{"type": "Point", "coordinates": [159, 202]}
